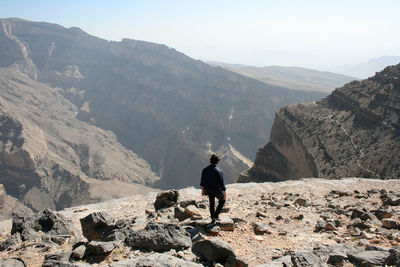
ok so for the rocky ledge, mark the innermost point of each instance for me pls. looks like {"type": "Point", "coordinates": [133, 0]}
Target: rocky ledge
{"type": "Point", "coordinates": [309, 222]}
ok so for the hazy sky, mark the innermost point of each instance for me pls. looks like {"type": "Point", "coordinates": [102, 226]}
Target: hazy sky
{"type": "Point", "coordinates": [314, 33]}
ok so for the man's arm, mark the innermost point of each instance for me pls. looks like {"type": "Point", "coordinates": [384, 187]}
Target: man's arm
{"type": "Point", "coordinates": [222, 184]}
{"type": "Point", "coordinates": [202, 184]}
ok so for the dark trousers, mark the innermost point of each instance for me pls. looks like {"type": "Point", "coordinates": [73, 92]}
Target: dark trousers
{"type": "Point", "coordinates": [214, 213]}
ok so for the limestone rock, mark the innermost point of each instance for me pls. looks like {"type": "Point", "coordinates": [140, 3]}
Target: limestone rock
{"type": "Point", "coordinates": [159, 237]}
{"type": "Point", "coordinates": [96, 225]}
{"type": "Point", "coordinates": [213, 250]}
{"type": "Point", "coordinates": [166, 199]}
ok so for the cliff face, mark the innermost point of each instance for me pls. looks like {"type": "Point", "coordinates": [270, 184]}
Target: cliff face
{"type": "Point", "coordinates": [49, 159]}
{"type": "Point", "coordinates": [171, 110]}
{"type": "Point", "coordinates": [355, 131]}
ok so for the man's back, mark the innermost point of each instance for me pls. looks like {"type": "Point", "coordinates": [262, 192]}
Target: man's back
{"type": "Point", "coordinates": [212, 180]}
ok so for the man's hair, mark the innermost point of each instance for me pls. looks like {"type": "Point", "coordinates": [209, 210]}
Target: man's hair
{"type": "Point", "coordinates": [214, 159]}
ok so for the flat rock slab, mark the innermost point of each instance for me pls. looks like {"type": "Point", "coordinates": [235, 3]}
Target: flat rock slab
{"type": "Point", "coordinates": [159, 237]}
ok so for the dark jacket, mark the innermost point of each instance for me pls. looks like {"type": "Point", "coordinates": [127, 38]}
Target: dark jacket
{"type": "Point", "coordinates": [212, 179]}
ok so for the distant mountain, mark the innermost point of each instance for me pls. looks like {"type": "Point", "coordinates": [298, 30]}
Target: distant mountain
{"type": "Point", "coordinates": [166, 108]}
{"type": "Point", "coordinates": [367, 69]}
{"type": "Point", "coordinates": [295, 78]}
{"type": "Point", "coordinates": [354, 132]}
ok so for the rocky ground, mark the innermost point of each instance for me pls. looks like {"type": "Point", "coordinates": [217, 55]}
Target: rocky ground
{"type": "Point", "coordinates": [310, 222]}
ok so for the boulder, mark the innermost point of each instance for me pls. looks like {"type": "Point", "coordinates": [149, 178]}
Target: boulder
{"type": "Point", "coordinates": [232, 261]}
{"type": "Point", "coordinates": [166, 199]}
{"type": "Point", "coordinates": [390, 224]}
{"type": "Point", "coordinates": [14, 262]}
{"type": "Point", "coordinates": [213, 250]}
{"type": "Point", "coordinates": [363, 215]}
{"type": "Point", "coordinates": [99, 248]}
{"type": "Point", "coordinates": [394, 257]}
{"type": "Point", "coordinates": [306, 258]}
{"type": "Point", "coordinates": [383, 213]}
{"type": "Point", "coordinates": [374, 257]}
{"type": "Point", "coordinates": [195, 232]}
{"type": "Point", "coordinates": [154, 260]}
{"type": "Point", "coordinates": [78, 252]}
{"type": "Point", "coordinates": [159, 237]}
{"type": "Point", "coordinates": [96, 225]}
{"type": "Point", "coordinates": [47, 221]}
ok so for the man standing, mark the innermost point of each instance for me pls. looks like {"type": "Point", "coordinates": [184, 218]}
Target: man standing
{"type": "Point", "coordinates": [212, 185]}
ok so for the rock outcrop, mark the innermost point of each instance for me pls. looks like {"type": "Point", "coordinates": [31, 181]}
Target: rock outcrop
{"type": "Point", "coordinates": [171, 110]}
{"type": "Point", "coordinates": [355, 131]}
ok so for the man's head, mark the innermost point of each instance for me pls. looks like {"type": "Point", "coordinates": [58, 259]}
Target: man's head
{"type": "Point", "coordinates": [214, 159]}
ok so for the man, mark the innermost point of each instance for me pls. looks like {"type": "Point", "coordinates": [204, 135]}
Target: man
{"type": "Point", "coordinates": [212, 185]}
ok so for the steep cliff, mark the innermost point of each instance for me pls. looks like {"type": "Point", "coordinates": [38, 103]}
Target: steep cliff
{"type": "Point", "coordinates": [354, 132]}
{"type": "Point", "coordinates": [171, 110]}
{"type": "Point", "coordinates": [49, 159]}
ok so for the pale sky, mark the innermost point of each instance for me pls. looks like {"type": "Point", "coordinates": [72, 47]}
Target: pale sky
{"type": "Point", "coordinates": [313, 33]}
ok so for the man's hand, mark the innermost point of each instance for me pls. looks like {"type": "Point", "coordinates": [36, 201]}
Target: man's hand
{"type": "Point", "coordinates": [202, 191]}
{"type": "Point", "coordinates": [224, 195]}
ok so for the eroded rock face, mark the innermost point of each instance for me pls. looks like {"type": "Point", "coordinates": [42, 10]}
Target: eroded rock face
{"type": "Point", "coordinates": [354, 132]}
{"type": "Point", "coordinates": [49, 159]}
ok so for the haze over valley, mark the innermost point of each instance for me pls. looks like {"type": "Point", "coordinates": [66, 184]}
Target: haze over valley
{"type": "Point", "coordinates": [110, 111]}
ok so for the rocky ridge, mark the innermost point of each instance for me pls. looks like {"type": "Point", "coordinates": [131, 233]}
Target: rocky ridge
{"type": "Point", "coordinates": [49, 159]}
{"type": "Point", "coordinates": [352, 132]}
{"type": "Point", "coordinates": [310, 222]}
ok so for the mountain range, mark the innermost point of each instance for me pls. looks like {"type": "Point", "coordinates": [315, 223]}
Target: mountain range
{"type": "Point", "coordinates": [295, 78]}
{"type": "Point", "coordinates": [367, 69]}
{"type": "Point", "coordinates": [78, 109]}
